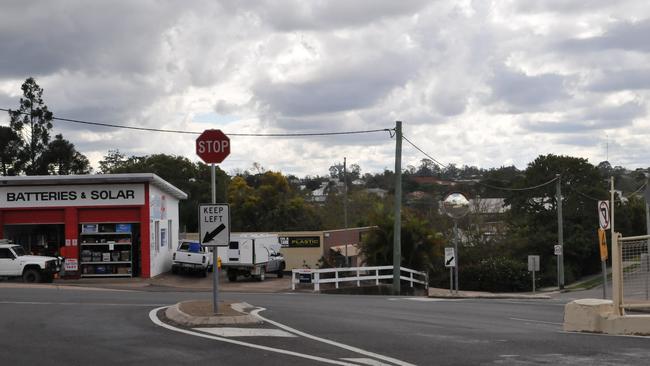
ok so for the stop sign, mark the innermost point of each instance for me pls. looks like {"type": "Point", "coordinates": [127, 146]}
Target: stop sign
{"type": "Point", "coordinates": [213, 146]}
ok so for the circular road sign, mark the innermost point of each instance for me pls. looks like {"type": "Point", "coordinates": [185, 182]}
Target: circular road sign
{"type": "Point", "coordinates": [213, 146]}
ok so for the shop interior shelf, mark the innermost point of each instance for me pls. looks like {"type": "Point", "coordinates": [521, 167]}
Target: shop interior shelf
{"type": "Point", "coordinates": [116, 262]}
{"type": "Point", "coordinates": [108, 233]}
{"type": "Point", "coordinates": [107, 275]}
{"type": "Point", "coordinates": [114, 243]}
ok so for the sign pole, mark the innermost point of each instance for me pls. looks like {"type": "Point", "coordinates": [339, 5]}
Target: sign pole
{"type": "Point", "coordinates": [451, 280]}
{"type": "Point", "coordinates": [533, 281]}
{"type": "Point", "coordinates": [215, 269]}
{"type": "Point", "coordinates": [604, 265]}
{"type": "Point", "coordinates": [213, 146]}
{"type": "Point", "coordinates": [456, 254]}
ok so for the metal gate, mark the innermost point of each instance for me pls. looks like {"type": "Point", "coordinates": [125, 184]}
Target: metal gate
{"type": "Point", "coordinates": [630, 272]}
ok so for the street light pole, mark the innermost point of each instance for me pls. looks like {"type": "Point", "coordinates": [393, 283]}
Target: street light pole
{"type": "Point", "coordinates": [560, 234]}
{"type": "Point", "coordinates": [345, 208]}
{"type": "Point", "coordinates": [397, 227]}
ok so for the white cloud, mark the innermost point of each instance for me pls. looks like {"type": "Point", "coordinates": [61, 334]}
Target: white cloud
{"type": "Point", "coordinates": [485, 83]}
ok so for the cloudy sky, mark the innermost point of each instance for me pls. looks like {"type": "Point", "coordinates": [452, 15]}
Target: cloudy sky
{"type": "Point", "coordinates": [484, 83]}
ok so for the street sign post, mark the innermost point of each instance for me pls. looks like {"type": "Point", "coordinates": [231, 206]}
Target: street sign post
{"type": "Point", "coordinates": [533, 266]}
{"type": "Point", "coordinates": [557, 249]}
{"type": "Point", "coordinates": [603, 215]}
{"type": "Point", "coordinates": [213, 146]}
{"type": "Point", "coordinates": [602, 243]}
{"type": "Point", "coordinates": [450, 257]}
{"type": "Point", "coordinates": [450, 261]}
{"type": "Point", "coordinates": [214, 225]}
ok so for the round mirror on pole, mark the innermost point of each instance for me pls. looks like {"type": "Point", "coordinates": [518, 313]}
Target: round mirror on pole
{"type": "Point", "coordinates": [455, 205]}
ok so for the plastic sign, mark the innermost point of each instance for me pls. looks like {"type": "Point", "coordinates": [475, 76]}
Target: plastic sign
{"type": "Point", "coordinates": [602, 241]}
{"type": "Point", "coordinates": [213, 146]}
{"type": "Point", "coordinates": [603, 215]}
{"type": "Point", "coordinates": [450, 257]}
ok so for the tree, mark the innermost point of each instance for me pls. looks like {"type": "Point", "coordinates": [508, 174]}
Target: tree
{"type": "Point", "coordinates": [10, 145]}
{"type": "Point", "coordinates": [421, 247]}
{"type": "Point", "coordinates": [353, 172]}
{"type": "Point", "coordinates": [266, 202]}
{"type": "Point", "coordinates": [533, 215]}
{"type": "Point", "coordinates": [62, 158]}
{"type": "Point", "coordinates": [112, 161]}
{"type": "Point", "coordinates": [33, 122]}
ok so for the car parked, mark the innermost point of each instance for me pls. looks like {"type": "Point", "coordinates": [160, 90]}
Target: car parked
{"type": "Point", "coordinates": [15, 262]}
{"type": "Point", "coordinates": [191, 256]}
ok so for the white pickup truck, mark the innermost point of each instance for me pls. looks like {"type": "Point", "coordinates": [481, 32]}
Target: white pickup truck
{"type": "Point", "coordinates": [14, 262]}
{"type": "Point", "coordinates": [191, 256]}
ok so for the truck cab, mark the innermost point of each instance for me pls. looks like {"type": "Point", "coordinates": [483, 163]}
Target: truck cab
{"type": "Point", "coordinates": [15, 262]}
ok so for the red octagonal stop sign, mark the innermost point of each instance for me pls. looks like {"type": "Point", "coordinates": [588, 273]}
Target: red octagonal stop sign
{"type": "Point", "coordinates": [213, 146]}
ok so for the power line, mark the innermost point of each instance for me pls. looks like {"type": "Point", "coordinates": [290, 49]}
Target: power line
{"type": "Point", "coordinates": [200, 132]}
{"type": "Point", "coordinates": [638, 190]}
{"type": "Point", "coordinates": [427, 155]}
{"type": "Point", "coordinates": [483, 184]}
{"type": "Point", "coordinates": [518, 189]}
{"type": "Point", "coordinates": [585, 195]}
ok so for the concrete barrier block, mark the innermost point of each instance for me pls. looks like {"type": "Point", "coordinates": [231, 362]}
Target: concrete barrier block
{"type": "Point", "coordinates": [628, 325]}
{"type": "Point", "coordinates": [587, 315]}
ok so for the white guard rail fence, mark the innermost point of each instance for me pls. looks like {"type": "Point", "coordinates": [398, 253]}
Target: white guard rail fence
{"type": "Point", "coordinates": [355, 274]}
{"type": "Point", "coordinates": [630, 272]}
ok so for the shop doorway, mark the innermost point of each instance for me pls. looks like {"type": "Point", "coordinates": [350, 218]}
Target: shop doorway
{"type": "Point", "coordinates": [40, 239]}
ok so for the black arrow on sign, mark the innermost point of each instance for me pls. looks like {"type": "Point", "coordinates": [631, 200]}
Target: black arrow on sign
{"type": "Point", "coordinates": [211, 235]}
{"type": "Point", "coordinates": [451, 259]}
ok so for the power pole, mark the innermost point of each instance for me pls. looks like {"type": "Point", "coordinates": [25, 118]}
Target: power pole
{"type": "Point", "coordinates": [397, 228]}
{"type": "Point", "coordinates": [647, 207]}
{"type": "Point", "coordinates": [560, 234]}
{"type": "Point", "coordinates": [345, 207]}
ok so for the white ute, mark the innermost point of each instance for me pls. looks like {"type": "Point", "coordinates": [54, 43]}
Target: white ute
{"type": "Point", "coordinates": [191, 256]}
{"type": "Point", "coordinates": [14, 262]}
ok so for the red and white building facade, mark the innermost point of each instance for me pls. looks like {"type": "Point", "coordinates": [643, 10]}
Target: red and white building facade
{"type": "Point", "coordinates": [132, 219]}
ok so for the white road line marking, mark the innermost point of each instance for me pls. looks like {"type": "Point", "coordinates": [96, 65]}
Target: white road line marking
{"type": "Point", "coordinates": [606, 335]}
{"type": "Point", "coordinates": [155, 320]}
{"type": "Point", "coordinates": [366, 361]}
{"type": "Point", "coordinates": [246, 332]}
{"type": "Point", "coordinates": [75, 303]}
{"type": "Point", "coordinates": [330, 342]}
{"type": "Point", "coordinates": [535, 321]}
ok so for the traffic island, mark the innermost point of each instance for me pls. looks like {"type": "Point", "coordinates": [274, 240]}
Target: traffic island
{"type": "Point", "coordinates": [598, 316]}
{"type": "Point", "coordinates": [200, 313]}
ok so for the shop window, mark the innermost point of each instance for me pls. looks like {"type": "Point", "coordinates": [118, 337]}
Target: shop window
{"type": "Point", "coordinates": [163, 237]}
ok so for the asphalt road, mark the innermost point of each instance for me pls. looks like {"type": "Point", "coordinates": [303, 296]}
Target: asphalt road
{"type": "Point", "coordinates": [81, 327]}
